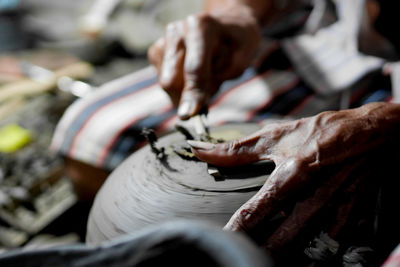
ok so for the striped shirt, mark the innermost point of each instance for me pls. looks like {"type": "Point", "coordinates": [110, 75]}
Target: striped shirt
{"type": "Point", "coordinates": [318, 69]}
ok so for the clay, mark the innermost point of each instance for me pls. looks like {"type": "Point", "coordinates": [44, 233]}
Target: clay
{"type": "Point", "coordinates": [146, 190]}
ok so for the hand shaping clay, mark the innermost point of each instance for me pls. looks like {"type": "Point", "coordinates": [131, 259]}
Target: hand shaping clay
{"type": "Point", "coordinates": [147, 189]}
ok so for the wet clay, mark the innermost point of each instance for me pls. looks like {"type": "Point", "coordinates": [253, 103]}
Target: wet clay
{"type": "Point", "coordinates": [146, 190]}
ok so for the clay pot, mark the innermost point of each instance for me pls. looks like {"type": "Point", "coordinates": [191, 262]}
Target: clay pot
{"type": "Point", "coordinates": [145, 190]}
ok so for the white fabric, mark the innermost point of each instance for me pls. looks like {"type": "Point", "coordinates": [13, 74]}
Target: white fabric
{"type": "Point", "coordinates": [329, 60]}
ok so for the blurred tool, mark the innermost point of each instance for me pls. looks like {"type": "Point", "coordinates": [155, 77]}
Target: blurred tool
{"type": "Point", "coordinates": [64, 83]}
{"type": "Point", "coordinates": [202, 132]}
{"type": "Point", "coordinates": [41, 81]}
{"type": "Point", "coordinates": [199, 124]}
{"type": "Point", "coordinates": [94, 22]}
{"type": "Point", "coordinates": [77, 88]}
{"type": "Point", "coordinates": [37, 73]}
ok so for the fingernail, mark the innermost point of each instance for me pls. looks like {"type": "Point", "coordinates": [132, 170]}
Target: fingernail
{"type": "Point", "coordinates": [231, 226]}
{"type": "Point", "coordinates": [185, 109]}
{"type": "Point", "coordinates": [201, 145]}
{"type": "Point", "coordinates": [227, 227]}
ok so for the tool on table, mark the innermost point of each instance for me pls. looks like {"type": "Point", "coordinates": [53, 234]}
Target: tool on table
{"type": "Point", "coordinates": [41, 80]}
{"type": "Point", "coordinates": [64, 83]}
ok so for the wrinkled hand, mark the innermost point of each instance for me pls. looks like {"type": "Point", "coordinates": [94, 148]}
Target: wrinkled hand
{"type": "Point", "coordinates": [301, 149]}
{"type": "Point", "coordinates": [197, 54]}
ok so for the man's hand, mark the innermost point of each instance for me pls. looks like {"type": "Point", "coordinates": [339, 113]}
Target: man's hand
{"type": "Point", "coordinates": [197, 54]}
{"type": "Point", "coordinates": [302, 150]}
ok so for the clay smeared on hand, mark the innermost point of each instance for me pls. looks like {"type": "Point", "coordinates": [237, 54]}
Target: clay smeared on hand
{"type": "Point", "coordinates": [324, 166]}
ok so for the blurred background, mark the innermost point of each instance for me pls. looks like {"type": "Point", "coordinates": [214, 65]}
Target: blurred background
{"type": "Point", "coordinates": [51, 53]}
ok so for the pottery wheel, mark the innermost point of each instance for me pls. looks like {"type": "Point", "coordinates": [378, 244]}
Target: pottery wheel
{"type": "Point", "coordinates": [145, 190]}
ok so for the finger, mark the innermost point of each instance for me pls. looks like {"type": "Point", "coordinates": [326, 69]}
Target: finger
{"type": "Point", "coordinates": [285, 180]}
{"type": "Point", "coordinates": [348, 201]}
{"type": "Point", "coordinates": [200, 41]}
{"type": "Point", "coordinates": [237, 152]}
{"type": "Point", "coordinates": [261, 145]}
{"type": "Point", "coordinates": [171, 74]}
{"type": "Point", "coordinates": [155, 54]}
{"type": "Point", "coordinates": [306, 210]}
{"type": "Point", "coordinates": [344, 212]}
